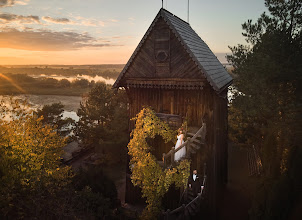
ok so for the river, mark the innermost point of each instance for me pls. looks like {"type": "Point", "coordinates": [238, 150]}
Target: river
{"type": "Point", "coordinates": [71, 103]}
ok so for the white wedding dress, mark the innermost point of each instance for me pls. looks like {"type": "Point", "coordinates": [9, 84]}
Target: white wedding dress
{"type": "Point", "coordinates": [182, 152]}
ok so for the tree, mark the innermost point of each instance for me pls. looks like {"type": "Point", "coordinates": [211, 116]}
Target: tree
{"type": "Point", "coordinates": [95, 114]}
{"type": "Point", "coordinates": [95, 194]}
{"type": "Point", "coordinates": [35, 184]}
{"type": "Point", "coordinates": [83, 83]}
{"type": "Point", "coordinates": [266, 109]}
{"type": "Point", "coordinates": [49, 82]}
{"type": "Point", "coordinates": [53, 115]}
{"type": "Point", "coordinates": [64, 83]}
{"type": "Point", "coordinates": [103, 119]}
{"type": "Point", "coordinates": [30, 171]}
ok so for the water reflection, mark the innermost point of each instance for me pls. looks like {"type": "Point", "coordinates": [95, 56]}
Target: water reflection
{"type": "Point", "coordinates": [71, 103]}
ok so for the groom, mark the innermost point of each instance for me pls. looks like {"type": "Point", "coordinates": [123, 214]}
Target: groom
{"type": "Point", "coordinates": [195, 183]}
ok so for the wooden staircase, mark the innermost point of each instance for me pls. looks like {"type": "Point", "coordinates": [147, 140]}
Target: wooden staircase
{"type": "Point", "coordinates": [195, 139]}
{"type": "Point", "coordinates": [191, 205]}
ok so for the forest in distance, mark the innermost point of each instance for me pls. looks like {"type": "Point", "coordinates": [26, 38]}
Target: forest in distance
{"type": "Point", "coordinates": [72, 80]}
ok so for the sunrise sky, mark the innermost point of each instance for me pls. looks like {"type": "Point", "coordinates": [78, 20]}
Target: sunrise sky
{"type": "Point", "coordinates": [107, 31]}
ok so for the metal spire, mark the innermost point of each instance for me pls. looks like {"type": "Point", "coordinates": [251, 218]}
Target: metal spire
{"type": "Point", "coordinates": [162, 3]}
{"type": "Point", "coordinates": [188, 9]}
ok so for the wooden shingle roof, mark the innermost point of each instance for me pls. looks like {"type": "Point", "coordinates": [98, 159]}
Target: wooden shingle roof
{"type": "Point", "coordinates": [200, 53]}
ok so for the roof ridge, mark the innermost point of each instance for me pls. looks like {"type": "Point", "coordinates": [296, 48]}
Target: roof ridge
{"type": "Point", "coordinates": [165, 10]}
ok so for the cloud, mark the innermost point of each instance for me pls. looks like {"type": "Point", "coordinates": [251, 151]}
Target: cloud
{"type": "Point", "coordinates": [6, 3]}
{"type": "Point", "coordinates": [92, 23]}
{"type": "Point", "coordinates": [20, 2]}
{"type": "Point", "coordinates": [113, 20]}
{"type": "Point", "coordinates": [6, 18]}
{"type": "Point", "coordinates": [47, 40]}
{"type": "Point", "coordinates": [56, 20]}
{"type": "Point", "coordinates": [80, 21]}
{"type": "Point", "coordinates": [9, 3]}
{"type": "Point", "coordinates": [87, 21]}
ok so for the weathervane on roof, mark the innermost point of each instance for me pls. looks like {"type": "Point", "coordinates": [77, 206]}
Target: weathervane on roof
{"type": "Point", "coordinates": [162, 3]}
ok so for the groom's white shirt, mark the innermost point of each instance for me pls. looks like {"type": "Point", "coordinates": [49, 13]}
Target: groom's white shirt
{"type": "Point", "coordinates": [194, 177]}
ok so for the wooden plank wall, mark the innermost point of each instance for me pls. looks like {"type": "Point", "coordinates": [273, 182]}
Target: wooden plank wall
{"type": "Point", "coordinates": [186, 103]}
{"type": "Point", "coordinates": [196, 104]}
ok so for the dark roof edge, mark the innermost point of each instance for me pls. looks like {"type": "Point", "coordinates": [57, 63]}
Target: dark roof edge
{"type": "Point", "coordinates": [225, 86]}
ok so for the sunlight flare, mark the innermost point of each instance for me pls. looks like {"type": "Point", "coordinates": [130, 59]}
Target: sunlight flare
{"type": "Point", "coordinates": [12, 83]}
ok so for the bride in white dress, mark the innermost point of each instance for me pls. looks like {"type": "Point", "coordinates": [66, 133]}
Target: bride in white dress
{"type": "Point", "coordinates": [180, 140]}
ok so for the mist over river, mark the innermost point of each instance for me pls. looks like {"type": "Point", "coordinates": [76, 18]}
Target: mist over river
{"type": "Point", "coordinates": [77, 77]}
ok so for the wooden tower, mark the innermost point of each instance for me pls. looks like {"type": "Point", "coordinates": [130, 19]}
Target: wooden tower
{"type": "Point", "coordinates": [174, 71]}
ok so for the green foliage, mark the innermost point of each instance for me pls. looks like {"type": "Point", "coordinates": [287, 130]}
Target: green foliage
{"type": "Point", "coordinates": [278, 198]}
{"type": "Point", "coordinates": [103, 120]}
{"type": "Point", "coordinates": [266, 109]}
{"type": "Point", "coordinates": [30, 154]}
{"type": "Point", "coordinates": [146, 172]}
{"type": "Point", "coordinates": [91, 177]}
{"type": "Point", "coordinates": [34, 184]}
{"type": "Point", "coordinates": [96, 194]}
{"type": "Point", "coordinates": [267, 76]}
{"type": "Point", "coordinates": [52, 115]}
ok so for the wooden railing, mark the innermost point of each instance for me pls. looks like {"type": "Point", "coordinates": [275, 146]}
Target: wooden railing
{"type": "Point", "coordinates": [201, 132]}
{"type": "Point", "coordinates": [183, 209]}
{"type": "Point", "coordinates": [254, 161]}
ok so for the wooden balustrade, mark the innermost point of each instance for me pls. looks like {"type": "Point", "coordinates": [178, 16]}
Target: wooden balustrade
{"type": "Point", "coordinates": [201, 132]}
{"type": "Point", "coordinates": [182, 210]}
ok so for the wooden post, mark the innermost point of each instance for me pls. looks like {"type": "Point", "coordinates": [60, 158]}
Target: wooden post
{"type": "Point", "coordinates": [172, 155]}
{"type": "Point", "coordinates": [168, 214]}
{"type": "Point", "coordinates": [164, 160]}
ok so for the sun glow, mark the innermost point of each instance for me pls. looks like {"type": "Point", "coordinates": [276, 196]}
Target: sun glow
{"type": "Point", "coordinates": [13, 83]}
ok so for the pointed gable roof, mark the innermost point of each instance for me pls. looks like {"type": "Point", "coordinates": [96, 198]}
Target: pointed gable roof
{"type": "Point", "coordinates": [200, 53]}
